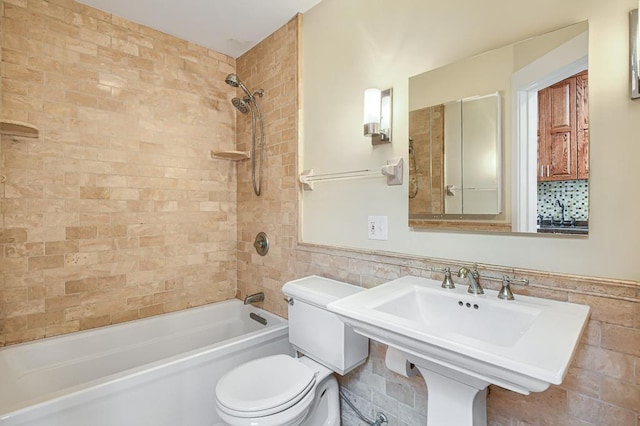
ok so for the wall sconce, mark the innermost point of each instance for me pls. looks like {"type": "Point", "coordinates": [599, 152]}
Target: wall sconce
{"type": "Point", "coordinates": [377, 115]}
{"type": "Point", "coordinates": [634, 52]}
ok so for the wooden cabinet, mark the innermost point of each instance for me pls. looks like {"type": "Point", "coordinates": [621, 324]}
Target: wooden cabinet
{"type": "Point", "coordinates": [582, 122]}
{"type": "Point", "coordinates": [563, 130]}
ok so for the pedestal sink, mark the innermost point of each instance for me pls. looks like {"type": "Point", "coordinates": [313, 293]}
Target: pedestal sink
{"type": "Point", "coordinates": [461, 342]}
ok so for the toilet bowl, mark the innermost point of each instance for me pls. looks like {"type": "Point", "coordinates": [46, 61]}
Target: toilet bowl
{"type": "Point", "coordinates": [278, 391]}
{"type": "Point", "coordinates": [282, 390]}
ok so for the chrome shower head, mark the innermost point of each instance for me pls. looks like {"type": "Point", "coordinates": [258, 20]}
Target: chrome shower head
{"type": "Point", "coordinates": [241, 105]}
{"type": "Point", "coordinates": [232, 80]}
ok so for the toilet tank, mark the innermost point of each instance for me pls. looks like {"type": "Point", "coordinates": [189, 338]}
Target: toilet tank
{"type": "Point", "coordinates": [318, 333]}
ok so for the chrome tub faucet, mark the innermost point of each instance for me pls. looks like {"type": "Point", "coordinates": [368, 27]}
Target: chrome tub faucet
{"type": "Point", "coordinates": [473, 277]}
{"type": "Point", "coordinates": [254, 298]}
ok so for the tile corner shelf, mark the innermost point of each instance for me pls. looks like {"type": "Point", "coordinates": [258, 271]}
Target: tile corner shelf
{"type": "Point", "coordinates": [231, 155]}
{"type": "Point", "coordinates": [18, 128]}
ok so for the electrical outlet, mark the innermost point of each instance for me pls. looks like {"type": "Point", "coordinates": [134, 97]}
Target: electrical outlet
{"type": "Point", "coordinates": [377, 228]}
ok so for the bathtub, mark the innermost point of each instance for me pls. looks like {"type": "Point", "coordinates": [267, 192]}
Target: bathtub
{"type": "Point", "coordinates": [156, 371]}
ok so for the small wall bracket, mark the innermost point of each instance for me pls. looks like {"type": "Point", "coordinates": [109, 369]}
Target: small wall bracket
{"type": "Point", "coordinates": [304, 179]}
{"type": "Point", "coordinates": [394, 171]}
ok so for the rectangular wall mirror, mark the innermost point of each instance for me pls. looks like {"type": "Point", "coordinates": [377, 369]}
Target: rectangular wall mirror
{"type": "Point", "coordinates": [500, 141]}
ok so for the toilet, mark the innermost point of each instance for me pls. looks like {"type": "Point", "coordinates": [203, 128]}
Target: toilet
{"type": "Point", "coordinates": [283, 390]}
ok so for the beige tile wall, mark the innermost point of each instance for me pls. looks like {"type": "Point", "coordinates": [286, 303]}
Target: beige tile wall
{"type": "Point", "coordinates": [117, 211]}
{"type": "Point", "coordinates": [272, 66]}
{"type": "Point", "coordinates": [426, 128]}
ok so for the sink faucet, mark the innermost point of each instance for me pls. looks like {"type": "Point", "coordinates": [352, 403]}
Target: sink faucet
{"type": "Point", "coordinates": [559, 204]}
{"type": "Point", "coordinates": [474, 279]}
{"type": "Point", "coordinates": [254, 298]}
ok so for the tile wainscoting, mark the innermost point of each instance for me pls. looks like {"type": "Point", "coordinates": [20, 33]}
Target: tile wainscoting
{"type": "Point", "coordinates": [602, 386]}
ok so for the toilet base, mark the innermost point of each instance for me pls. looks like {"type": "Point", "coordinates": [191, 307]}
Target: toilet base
{"type": "Point", "coordinates": [325, 410]}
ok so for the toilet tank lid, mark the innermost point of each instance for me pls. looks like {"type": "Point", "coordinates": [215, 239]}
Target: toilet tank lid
{"type": "Point", "coordinates": [319, 291]}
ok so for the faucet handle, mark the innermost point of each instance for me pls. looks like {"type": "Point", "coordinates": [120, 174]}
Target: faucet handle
{"type": "Point", "coordinates": [514, 280]}
{"type": "Point", "coordinates": [505, 292]}
{"type": "Point", "coordinates": [447, 282]}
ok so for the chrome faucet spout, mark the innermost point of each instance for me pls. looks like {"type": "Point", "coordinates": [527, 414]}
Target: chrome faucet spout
{"type": "Point", "coordinates": [473, 277]}
{"type": "Point", "coordinates": [254, 298]}
{"type": "Point", "coordinates": [561, 205]}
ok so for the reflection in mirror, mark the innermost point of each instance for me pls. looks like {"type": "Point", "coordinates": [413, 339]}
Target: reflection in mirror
{"type": "Point", "coordinates": [463, 139]}
{"type": "Point", "coordinates": [543, 116]}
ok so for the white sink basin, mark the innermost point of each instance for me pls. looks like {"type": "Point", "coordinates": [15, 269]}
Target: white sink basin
{"type": "Point", "coordinates": [445, 314]}
{"type": "Point", "coordinates": [523, 345]}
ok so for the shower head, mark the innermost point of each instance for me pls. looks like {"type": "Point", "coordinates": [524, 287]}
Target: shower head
{"type": "Point", "coordinates": [241, 105]}
{"type": "Point", "coordinates": [233, 80]}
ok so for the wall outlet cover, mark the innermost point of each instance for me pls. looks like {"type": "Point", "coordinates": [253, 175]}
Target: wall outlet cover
{"type": "Point", "coordinates": [377, 228]}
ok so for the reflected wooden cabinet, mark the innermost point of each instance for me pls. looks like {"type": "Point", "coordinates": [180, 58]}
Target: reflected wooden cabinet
{"type": "Point", "coordinates": [563, 130]}
{"type": "Point", "coordinates": [582, 121]}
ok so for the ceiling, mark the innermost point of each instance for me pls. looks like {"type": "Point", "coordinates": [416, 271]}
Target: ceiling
{"type": "Point", "coordinates": [228, 26]}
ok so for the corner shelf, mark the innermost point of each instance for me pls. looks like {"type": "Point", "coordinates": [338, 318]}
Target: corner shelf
{"type": "Point", "coordinates": [18, 128]}
{"type": "Point", "coordinates": [231, 155]}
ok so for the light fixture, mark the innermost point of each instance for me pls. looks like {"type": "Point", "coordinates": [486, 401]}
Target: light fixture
{"type": "Point", "coordinates": [634, 52]}
{"type": "Point", "coordinates": [377, 115]}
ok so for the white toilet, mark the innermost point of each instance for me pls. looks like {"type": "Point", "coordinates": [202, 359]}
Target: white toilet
{"type": "Point", "coordinates": [281, 390]}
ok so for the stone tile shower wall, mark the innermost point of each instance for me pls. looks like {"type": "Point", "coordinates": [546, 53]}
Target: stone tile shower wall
{"type": "Point", "coordinates": [574, 194]}
{"type": "Point", "coordinates": [426, 181]}
{"type": "Point", "coordinates": [273, 66]}
{"type": "Point", "coordinates": [117, 211]}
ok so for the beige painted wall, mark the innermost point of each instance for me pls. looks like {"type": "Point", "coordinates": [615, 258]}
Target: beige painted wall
{"type": "Point", "coordinates": [351, 46]}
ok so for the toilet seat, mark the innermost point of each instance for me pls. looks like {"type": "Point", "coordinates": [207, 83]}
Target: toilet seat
{"type": "Point", "coordinates": [264, 386]}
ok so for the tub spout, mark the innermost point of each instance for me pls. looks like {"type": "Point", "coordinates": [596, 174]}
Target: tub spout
{"type": "Point", "coordinates": [254, 298]}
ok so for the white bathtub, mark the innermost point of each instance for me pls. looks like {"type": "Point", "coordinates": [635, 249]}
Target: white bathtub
{"type": "Point", "coordinates": [156, 371]}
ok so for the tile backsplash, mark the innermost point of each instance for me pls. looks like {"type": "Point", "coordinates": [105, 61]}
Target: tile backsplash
{"type": "Point", "coordinates": [574, 194]}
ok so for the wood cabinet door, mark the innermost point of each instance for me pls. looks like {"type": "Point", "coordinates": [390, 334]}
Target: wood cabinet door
{"type": "Point", "coordinates": [557, 148]}
{"type": "Point", "coordinates": [582, 124]}
{"type": "Point", "coordinates": [544, 114]}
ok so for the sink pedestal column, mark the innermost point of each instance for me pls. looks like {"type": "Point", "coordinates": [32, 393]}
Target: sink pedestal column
{"type": "Point", "coordinates": [454, 398]}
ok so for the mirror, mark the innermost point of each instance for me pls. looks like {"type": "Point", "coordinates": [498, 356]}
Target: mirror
{"type": "Point", "coordinates": [499, 141]}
